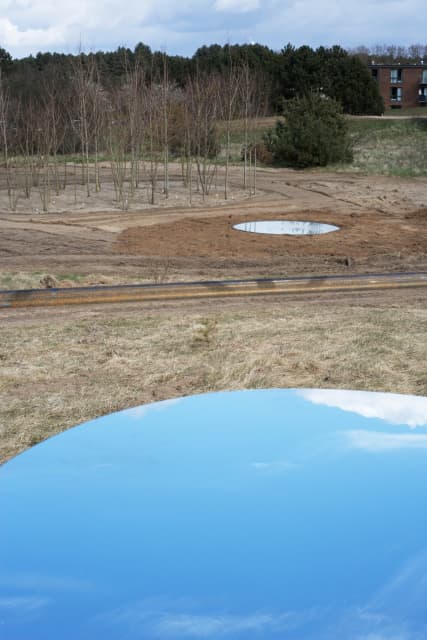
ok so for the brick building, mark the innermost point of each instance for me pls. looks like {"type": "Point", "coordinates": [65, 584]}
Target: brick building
{"type": "Point", "coordinates": [401, 85]}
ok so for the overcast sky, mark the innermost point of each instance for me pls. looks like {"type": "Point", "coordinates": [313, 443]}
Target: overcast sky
{"type": "Point", "coordinates": [180, 27]}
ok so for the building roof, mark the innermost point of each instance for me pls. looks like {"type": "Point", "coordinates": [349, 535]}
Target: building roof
{"type": "Point", "coordinates": [402, 65]}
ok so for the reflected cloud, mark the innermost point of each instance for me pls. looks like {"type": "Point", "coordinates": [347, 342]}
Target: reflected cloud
{"type": "Point", "coordinates": [172, 622]}
{"type": "Point", "coordinates": [23, 604]}
{"type": "Point", "coordinates": [47, 583]}
{"type": "Point", "coordinates": [376, 441]}
{"type": "Point", "coordinates": [275, 466]}
{"type": "Point", "coordinates": [144, 409]}
{"type": "Point", "coordinates": [352, 629]}
{"type": "Point", "coordinates": [396, 611]}
{"type": "Point", "coordinates": [407, 588]}
{"type": "Point", "coordinates": [386, 636]}
{"type": "Point", "coordinates": [236, 6]}
{"type": "Point", "coordinates": [285, 227]}
{"type": "Point", "coordinates": [394, 408]}
{"type": "Point", "coordinates": [201, 626]}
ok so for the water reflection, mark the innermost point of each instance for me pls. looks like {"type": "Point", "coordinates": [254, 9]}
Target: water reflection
{"type": "Point", "coordinates": [393, 408]}
{"type": "Point", "coordinates": [286, 227]}
{"type": "Point", "coordinates": [258, 514]}
{"type": "Point", "coordinates": [376, 441]}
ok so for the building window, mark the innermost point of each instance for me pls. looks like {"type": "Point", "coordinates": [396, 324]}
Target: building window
{"type": "Point", "coordinates": [396, 94]}
{"type": "Point", "coordinates": [374, 73]}
{"type": "Point", "coordinates": [424, 77]}
{"type": "Point", "coordinates": [422, 95]}
{"type": "Point", "coordinates": [395, 75]}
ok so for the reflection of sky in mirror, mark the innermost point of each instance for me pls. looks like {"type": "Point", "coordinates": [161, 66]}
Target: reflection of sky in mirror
{"type": "Point", "coordinates": [286, 227]}
{"type": "Point", "coordinates": [393, 408]}
{"type": "Point", "coordinates": [261, 514]}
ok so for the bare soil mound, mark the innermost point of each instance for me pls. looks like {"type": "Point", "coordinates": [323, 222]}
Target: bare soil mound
{"type": "Point", "coordinates": [361, 235]}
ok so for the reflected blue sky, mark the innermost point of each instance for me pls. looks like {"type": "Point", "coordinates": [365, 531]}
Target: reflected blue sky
{"type": "Point", "coordinates": [256, 514]}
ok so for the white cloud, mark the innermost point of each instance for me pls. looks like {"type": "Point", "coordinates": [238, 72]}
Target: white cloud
{"type": "Point", "coordinates": [30, 25]}
{"type": "Point", "coordinates": [12, 36]}
{"type": "Point", "coordinates": [376, 441]}
{"type": "Point", "coordinates": [393, 408]}
{"type": "Point", "coordinates": [237, 6]}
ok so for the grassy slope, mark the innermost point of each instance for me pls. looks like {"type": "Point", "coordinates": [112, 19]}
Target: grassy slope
{"type": "Point", "coordinates": [386, 146]}
{"type": "Point", "coordinates": [389, 147]}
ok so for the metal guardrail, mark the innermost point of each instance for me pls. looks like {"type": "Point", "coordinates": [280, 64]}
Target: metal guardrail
{"type": "Point", "coordinates": [20, 298]}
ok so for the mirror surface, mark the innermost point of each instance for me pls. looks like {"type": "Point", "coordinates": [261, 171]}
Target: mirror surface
{"type": "Point", "coordinates": [286, 227]}
{"type": "Point", "coordinates": [264, 514]}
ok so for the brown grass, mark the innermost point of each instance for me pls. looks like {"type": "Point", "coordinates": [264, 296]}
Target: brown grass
{"type": "Point", "coordinates": [157, 272]}
{"type": "Point", "coordinates": [55, 375]}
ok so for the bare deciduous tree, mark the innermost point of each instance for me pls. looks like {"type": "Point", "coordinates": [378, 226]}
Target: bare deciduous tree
{"type": "Point", "coordinates": [202, 99]}
{"type": "Point", "coordinates": [228, 99]}
{"type": "Point", "coordinates": [6, 131]}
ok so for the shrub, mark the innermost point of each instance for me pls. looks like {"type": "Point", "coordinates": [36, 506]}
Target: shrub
{"type": "Point", "coordinates": [313, 133]}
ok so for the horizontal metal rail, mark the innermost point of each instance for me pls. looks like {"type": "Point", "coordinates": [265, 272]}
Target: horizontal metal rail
{"type": "Point", "coordinates": [18, 298]}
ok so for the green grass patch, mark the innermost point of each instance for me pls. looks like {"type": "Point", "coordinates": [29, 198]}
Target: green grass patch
{"type": "Point", "coordinates": [389, 147]}
{"type": "Point", "coordinates": [73, 277]}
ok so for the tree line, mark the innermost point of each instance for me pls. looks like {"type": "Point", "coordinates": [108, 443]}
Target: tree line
{"type": "Point", "coordinates": [291, 72]}
{"type": "Point", "coordinates": [392, 53]}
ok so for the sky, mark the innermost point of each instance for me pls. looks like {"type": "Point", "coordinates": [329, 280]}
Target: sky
{"type": "Point", "coordinates": [179, 28]}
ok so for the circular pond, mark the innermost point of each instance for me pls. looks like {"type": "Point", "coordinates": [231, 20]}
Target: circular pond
{"type": "Point", "coordinates": [286, 227]}
{"type": "Point", "coordinates": [252, 515]}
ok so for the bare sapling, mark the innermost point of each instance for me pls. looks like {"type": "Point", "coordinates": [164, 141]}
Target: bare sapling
{"type": "Point", "coordinates": [84, 72]}
{"type": "Point", "coordinates": [165, 109]}
{"type": "Point", "coordinates": [98, 104]}
{"type": "Point", "coordinates": [246, 101]}
{"type": "Point", "coordinates": [43, 150]}
{"type": "Point", "coordinates": [134, 90]}
{"type": "Point", "coordinates": [6, 132]}
{"type": "Point", "coordinates": [27, 127]}
{"type": "Point", "coordinates": [118, 146]}
{"type": "Point", "coordinates": [202, 98]}
{"type": "Point", "coordinates": [155, 139]}
{"type": "Point", "coordinates": [228, 100]}
{"type": "Point", "coordinates": [254, 106]}
{"type": "Point", "coordinates": [54, 128]}
{"type": "Point", "coordinates": [187, 148]}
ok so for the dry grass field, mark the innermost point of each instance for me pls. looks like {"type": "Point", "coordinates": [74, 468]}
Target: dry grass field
{"type": "Point", "coordinates": [61, 367]}
{"type": "Point", "coordinates": [57, 374]}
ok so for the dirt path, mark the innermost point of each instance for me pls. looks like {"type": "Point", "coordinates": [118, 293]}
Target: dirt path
{"type": "Point", "coordinates": [383, 227]}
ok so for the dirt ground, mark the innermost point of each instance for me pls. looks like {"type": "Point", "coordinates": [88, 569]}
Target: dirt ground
{"type": "Point", "coordinates": [383, 227]}
{"type": "Point", "coordinates": [62, 366]}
